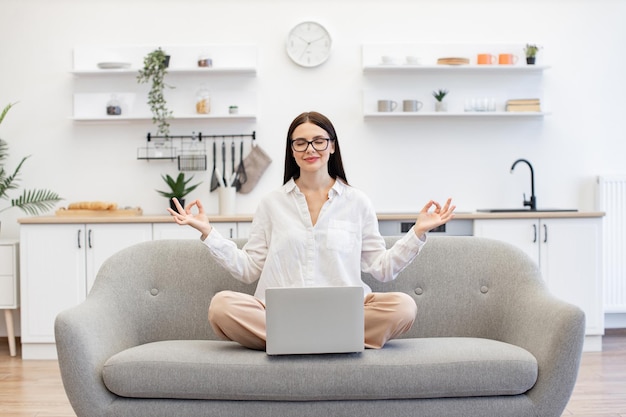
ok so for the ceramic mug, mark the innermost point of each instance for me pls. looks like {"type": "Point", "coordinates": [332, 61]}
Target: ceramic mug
{"type": "Point", "coordinates": [411, 105]}
{"type": "Point", "coordinates": [507, 59]}
{"type": "Point", "coordinates": [413, 60]}
{"type": "Point", "coordinates": [387, 105]}
{"type": "Point", "coordinates": [486, 59]}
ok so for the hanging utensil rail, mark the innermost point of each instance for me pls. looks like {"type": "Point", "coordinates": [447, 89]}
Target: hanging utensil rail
{"type": "Point", "coordinates": [188, 150]}
{"type": "Point", "coordinates": [200, 136]}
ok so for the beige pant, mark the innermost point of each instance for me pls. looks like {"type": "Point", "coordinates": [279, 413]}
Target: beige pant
{"type": "Point", "coordinates": [241, 318]}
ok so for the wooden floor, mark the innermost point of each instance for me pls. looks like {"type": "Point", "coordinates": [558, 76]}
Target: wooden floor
{"type": "Point", "coordinates": [34, 388]}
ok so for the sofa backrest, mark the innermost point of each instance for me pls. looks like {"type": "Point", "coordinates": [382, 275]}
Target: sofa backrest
{"type": "Point", "coordinates": [460, 285]}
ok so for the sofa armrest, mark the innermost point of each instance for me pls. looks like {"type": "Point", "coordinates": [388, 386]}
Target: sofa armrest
{"type": "Point", "coordinates": [553, 331]}
{"type": "Point", "coordinates": [86, 336]}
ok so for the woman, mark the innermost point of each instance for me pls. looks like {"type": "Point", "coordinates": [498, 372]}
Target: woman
{"type": "Point", "coordinates": [315, 230]}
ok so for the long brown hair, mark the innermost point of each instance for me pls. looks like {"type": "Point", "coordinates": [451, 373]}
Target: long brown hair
{"type": "Point", "coordinates": [335, 165]}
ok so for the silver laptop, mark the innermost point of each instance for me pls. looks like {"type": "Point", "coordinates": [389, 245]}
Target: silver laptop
{"type": "Point", "coordinates": [314, 320]}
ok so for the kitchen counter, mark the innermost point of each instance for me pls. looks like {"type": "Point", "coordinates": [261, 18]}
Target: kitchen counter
{"type": "Point", "coordinates": [248, 217]}
{"type": "Point", "coordinates": [460, 215]}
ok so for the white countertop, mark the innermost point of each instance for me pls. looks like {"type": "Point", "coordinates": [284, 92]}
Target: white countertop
{"type": "Point", "coordinates": [105, 218]}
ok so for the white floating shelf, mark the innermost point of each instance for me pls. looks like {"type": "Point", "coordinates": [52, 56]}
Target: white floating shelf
{"type": "Point", "coordinates": [189, 71]}
{"type": "Point", "coordinates": [380, 115]}
{"type": "Point", "coordinates": [182, 117]}
{"type": "Point", "coordinates": [454, 68]}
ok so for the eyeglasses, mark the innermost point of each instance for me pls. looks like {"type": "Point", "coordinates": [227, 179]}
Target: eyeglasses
{"type": "Point", "coordinates": [301, 145]}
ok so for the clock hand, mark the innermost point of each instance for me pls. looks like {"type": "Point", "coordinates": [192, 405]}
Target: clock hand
{"type": "Point", "coordinates": [303, 40]}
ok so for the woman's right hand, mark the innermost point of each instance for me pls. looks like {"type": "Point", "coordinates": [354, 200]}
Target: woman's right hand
{"type": "Point", "coordinates": [184, 216]}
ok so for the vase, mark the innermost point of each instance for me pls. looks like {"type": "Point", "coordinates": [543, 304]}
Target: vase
{"type": "Point", "coordinates": [173, 205]}
{"type": "Point", "coordinates": [530, 60]}
{"type": "Point", "coordinates": [441, 106]}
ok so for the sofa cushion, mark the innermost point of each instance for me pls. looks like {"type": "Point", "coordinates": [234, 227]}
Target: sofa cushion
{"type": "Point", "coordinates": [403, 369]}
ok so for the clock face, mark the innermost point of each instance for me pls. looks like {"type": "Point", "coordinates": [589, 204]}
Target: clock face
{"type": "Point", "coordinates": [308, 44]}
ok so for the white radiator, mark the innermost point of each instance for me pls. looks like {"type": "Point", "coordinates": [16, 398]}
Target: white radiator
{"type": "Point", "coordinates": [611, 198]}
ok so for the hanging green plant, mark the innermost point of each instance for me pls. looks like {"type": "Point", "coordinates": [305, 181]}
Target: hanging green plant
{"type": "Point", "coordinates": [154, 70]}
{"type": "Point", "coordinates": [31, 201]}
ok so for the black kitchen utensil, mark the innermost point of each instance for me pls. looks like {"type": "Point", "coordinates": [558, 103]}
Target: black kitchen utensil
{"type": "Point", "coordinates": [240, 177]}
{"type": "Point", "coordinates": [215, 183]}
{"type": "Point", "coordinates": [232, 159]}
{"type": "Point", "coordinates": [224, 163]}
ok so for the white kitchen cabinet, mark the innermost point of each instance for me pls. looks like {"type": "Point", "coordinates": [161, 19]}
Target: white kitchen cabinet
{"type": "Point", "coordinates": [9, 286]}
{"type": "Point", "coordinates": [568, 252]}
{"type": "Point", "coordinates": [230, 81]}
{"type": "Point", "coordinates": [399, 80]}
{"type": "Point", "coordinates": [59, 263]}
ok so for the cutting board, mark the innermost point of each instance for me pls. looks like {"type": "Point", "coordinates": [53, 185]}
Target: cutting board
{"type": "Point", "coordinates": [135, 211]}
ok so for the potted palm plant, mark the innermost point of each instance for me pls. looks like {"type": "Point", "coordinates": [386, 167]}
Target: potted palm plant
{"type": "Point", "coordinates": [31, 201]}
{"type": "Point", "coordinates": [439, 96]}
{"type": "Point", "coordinates": [531, 53]}
{"type": "Point", "coordinates": [178, 188]}
{"type": "Point", "coordinates": [154, 70]}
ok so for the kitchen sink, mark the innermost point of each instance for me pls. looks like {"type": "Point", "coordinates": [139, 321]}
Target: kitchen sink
{"type": "Point", "coordinates": [523, 210]}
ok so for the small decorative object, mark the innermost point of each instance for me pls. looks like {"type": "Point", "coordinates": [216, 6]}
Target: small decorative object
{"type": "Point", "coordinates": [203, 101]}
{"type": "Point", "coordinates": [531, 53]}
{"type": "Point", "coordinates": [233, 110]}
{"type": "Point", "coordinates": [439, 96]}
{"type": "Point", "coordinates": [113, 106]}
{"type": "Point", "coordinates": [31, 201]}
{"type": "Point", "coordinates": [154, 69]}
{"type": "Point", "coordinates": [178, 188]}
{"type": "Point", "coordinates": [204, 61]}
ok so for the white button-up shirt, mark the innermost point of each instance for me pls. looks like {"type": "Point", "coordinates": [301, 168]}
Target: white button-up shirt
{"type": "Point", "coordinates": [285, 249]}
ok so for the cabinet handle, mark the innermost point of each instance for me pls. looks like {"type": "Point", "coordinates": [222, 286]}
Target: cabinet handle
{"type": "Point", "coordinates": [535, 233]}
{"type": "Point", "coordinates": [545, 233]}
{"type": "Point", "coordinates": [78, 239]}
{"type": "Point", "coordinates": [89, 238]}
{"type": "Point", "coordinates": [231, 232]}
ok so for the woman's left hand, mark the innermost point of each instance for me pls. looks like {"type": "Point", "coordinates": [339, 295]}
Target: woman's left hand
{"type": "Point", "coordinates": [428, 220]}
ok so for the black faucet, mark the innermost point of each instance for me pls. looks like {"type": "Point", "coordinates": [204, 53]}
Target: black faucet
{"type": "Point", "coordinates": [532, 203]}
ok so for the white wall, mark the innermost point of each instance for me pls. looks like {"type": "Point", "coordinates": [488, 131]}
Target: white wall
{"type": "Point", "coordinates": [400, 164]}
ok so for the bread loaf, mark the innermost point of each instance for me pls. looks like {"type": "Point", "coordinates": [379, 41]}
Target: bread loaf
{"type": "Point", "coordinates": [92, 205]}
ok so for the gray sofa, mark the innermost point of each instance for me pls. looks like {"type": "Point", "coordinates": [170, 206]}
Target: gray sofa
{"type": "Point", "coordinates": [489, 340]}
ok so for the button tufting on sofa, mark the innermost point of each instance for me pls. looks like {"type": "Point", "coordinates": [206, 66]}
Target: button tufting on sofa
{"type": "Point", "coordinates": [154, 291]}
{"type": "Point", "coordinates": [419, 291]}
{"type": "Point", "coordinates": [484, 289]}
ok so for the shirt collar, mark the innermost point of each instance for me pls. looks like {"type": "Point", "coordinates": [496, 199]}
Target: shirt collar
{"type": "Point", "coordinates": [337, 189]}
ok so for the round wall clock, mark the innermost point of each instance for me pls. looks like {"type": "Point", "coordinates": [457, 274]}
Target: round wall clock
{"type": "Point", "coordinates": [308, 44]}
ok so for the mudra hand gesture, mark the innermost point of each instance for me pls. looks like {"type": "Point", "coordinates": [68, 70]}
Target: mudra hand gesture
{"type": "Point", "coordinates": [185, 216]}
{"type": "Point", "coordinates": [428, 220]}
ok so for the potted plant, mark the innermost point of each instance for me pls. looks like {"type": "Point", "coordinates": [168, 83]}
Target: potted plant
{"type": "Point", "coordinates": [439, 96]}
{"type": "Point", "coordinates": [531, 53]}
{"type": "Point", "coordinates": [154, 70]}
{"type": "Point", "coordinates": [178, 188]}
{"type": "Point", "coordinates": [31, 201]}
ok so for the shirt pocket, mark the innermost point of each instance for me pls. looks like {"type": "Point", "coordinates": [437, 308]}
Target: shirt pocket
{"type": "Point", "coordinates": [342, 235]}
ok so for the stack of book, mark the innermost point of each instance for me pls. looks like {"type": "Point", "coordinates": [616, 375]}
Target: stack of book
{"type": "Point", "coordinates": [523, 104]}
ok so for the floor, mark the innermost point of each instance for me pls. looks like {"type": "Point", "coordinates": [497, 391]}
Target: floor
{"type": "Point", "coordinates": [34, 388]}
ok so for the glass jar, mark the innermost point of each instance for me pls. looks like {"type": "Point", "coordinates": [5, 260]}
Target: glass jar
{"type": "Point", "coordinates": [203, 101]}
{"type": "Point", "coordinates": [204, 61]}
{"type": "Point", "coordinates": [114, 107]}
